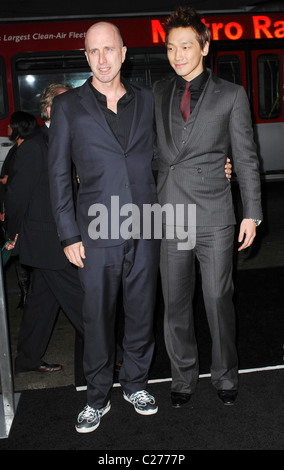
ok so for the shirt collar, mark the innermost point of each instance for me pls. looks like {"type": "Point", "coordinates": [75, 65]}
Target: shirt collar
{"type": "Point", "coordinates": [101, 96]}
{"type": "Point", "coordinates": [196, 84]}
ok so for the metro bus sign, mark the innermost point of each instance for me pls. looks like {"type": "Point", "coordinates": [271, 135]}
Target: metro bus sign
{"type": "Point", "coordinates": [136, 32]}
{"type": "Point", "coordinates": [242, 27]}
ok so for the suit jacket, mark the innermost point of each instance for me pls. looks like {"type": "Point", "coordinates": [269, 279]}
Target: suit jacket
{"type": "Point", "coordinates": [28, 207]}
{"type": "Point", "coordinates": [7, 169]}
{"type": "Point", "coordinates": [79, 132]}
{"type": "Point", "coordinates": [220, 121]}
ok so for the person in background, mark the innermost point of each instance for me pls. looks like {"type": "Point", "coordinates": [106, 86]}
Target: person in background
{"type": "Point", "coordinates": [55, 283]}
{"type": "Point", "coordinates": [20, 127]}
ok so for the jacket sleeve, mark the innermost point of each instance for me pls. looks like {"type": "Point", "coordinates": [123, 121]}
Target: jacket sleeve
{"type": "Point", "coordinates": [245, 158]}
{"type": "Point", "coordinates": [60, 174]}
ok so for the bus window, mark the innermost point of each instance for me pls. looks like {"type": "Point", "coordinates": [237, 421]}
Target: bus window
{"type": "Point", "coordinates": [134, 69]}
{"type": "Point", "coordinates": [138, 77]}
{"type": "Point", "coordinates": [34, 73]}
{"type": "Point", "coordinates": [3, 90]}
{"type": "Point", "coordinates": [145, 69]}
{"type": "Point", "coordinates": [229, 68]}
{"type": "Point", "coordinates": [2, 106]}
{"type": "Point", "coordinates": [30, 87]}
{"type": "Point", "coordinates": [160, 68]}
{"type": "Point", "coordinates": [269, 86]}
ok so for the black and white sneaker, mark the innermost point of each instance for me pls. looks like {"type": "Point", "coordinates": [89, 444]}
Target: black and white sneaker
{"type": "Point", "coordinates": [143, 402]}
{"type": "Point", "coordinates": [89, 419]}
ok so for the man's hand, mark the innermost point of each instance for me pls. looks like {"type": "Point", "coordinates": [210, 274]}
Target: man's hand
{"type": "Point", "coordinates": [228, 169]}
{"type": "Point", "coordinates": [75, 253]}
{"type": "Point", "coordinates": [247, 233]}
{"type": "Point", "coordinates": [11, 243]}
{"type": "Point", "coordinates": [3, 180]}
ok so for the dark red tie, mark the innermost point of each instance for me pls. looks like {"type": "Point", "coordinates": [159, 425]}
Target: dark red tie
{"type": "Point", "coordinates": [185, 102]}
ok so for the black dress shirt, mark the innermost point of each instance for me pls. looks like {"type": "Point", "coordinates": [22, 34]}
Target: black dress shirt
{"type": "Point", "coordinates": [120, 122]}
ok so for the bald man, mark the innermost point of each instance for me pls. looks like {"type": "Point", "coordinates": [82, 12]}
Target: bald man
{"type": "Point", "coordinates": [106, 128]}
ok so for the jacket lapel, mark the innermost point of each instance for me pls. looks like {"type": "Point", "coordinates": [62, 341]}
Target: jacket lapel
{"type": "Point", "coordinates": [167, 100]}
{"type": "Point", "coordinates": [89, 102]}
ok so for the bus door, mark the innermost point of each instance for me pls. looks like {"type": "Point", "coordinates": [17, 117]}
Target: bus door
{"type": "Point", "coordinates": [267, 80]}
{"type": "Point", "coordinates": [231, 66]}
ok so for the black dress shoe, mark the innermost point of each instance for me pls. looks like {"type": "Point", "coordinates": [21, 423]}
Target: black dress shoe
{"type": "Point", "coordinates": [43, 368]}
{"type": "Point", "coordinates": [49, 368]}
{"type": "Point", "coordinates": [228, 397]}
{"type": "Point", "coordinates": [179, 399]}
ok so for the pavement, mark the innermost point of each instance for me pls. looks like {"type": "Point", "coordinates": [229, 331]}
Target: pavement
{"type": "Point", "coordinates": [60, 348]}
{"type": "Point", "coordinates": [267, 252]}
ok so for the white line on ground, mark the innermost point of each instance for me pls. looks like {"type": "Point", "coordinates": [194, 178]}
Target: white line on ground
{"type": "Point", "coordinates": [201, 376]}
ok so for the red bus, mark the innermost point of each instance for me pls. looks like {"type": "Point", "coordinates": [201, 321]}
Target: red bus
{"type": "Point", "coordinates": [246, 48]}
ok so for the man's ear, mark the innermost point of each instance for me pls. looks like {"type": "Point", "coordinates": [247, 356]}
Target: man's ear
{"type": "Point", "coordinates": [205, 49]}
{"type": "Point", "coordinates": [86, 55]}
{"type": "Point", "coordinates": [124, 50]}
{"type": "Point", "coordinates": [48, 110]}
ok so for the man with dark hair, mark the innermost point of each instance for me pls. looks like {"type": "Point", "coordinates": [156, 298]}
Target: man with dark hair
{"type": "Point", "coordinates": [55, 283]}
{"type": "Point", "coordinates": [199, 117]}
{"type": "Point", "coordinates": [21, 126]}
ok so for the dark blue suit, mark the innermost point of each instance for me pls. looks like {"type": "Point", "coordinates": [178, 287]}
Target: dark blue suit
{"type": "Point", "coordinates": [80, 132]}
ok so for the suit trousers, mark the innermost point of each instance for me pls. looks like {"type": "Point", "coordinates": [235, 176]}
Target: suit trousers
{"type": "Point", "coordinates": [133, 265]}
{"type": "Point", "coordinates": [49, 291]}
{"type": "Point", "coordinates": [214, 250]}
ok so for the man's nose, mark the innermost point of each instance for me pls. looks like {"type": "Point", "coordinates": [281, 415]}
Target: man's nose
{"type": "Point", "coordinates": [178, 54]}
{"type": "Point", "coordinates": [102, 57]}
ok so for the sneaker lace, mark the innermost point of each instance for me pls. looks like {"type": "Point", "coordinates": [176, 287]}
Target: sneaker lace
{"type": "Point", "coordinates": [142, 397]}
{"type": "Point", "coordinates": [88, 413]}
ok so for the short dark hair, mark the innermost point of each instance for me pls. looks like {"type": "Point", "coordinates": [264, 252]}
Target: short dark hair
{"type": "Point", "coordinates": [22, 125]}
{"type": "Point", "coordinates": [185, 17]}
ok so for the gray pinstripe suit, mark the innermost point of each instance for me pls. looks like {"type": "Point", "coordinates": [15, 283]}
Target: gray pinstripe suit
{"type": "Point", "coordinates": [194, 174]}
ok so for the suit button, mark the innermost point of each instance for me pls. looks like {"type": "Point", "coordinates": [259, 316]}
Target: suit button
{"type": "Point", "coordinates": [172, 167]}
{"type": "Point", "coordinates": [199, 170]}
{"type": "Point", "coordinates": [125, 155]}
{"type": "Point", "coordinates": [127, 185]}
